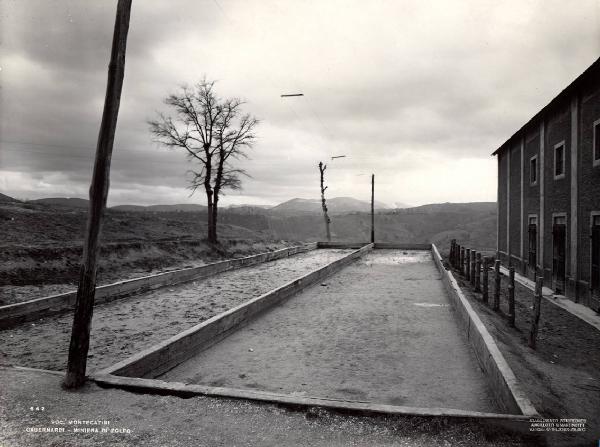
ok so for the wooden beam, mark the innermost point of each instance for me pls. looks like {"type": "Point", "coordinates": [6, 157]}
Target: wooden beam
{"type": "Point", "coordinates": [84, 306]}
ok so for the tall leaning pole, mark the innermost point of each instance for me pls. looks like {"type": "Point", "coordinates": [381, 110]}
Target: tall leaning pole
{"type": "Point", "coordinates": [372, 208]}
{"type": "Point", "coordinates": [84, 306]}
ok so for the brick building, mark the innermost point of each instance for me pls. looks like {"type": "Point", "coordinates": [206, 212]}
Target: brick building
{"type": "Point", "coordinates": [549, 193]}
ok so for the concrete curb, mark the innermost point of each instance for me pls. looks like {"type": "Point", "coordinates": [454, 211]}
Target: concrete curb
{"type": "Point", "coordinates": [501, 378]}
{"type": "Point", "coordinates": [378, 245]}
{"type": "Point", "coordinates": [347, 406]}
{"type": "Point", "coordinates": [392, 245]}
{"type": "Point", "coordinates": [166, 355]}
{"type": "Point", "coordinates": [14, 314]}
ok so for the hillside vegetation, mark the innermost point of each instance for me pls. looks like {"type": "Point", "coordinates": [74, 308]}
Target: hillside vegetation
{"type": "Point", "coordinates": [41, 241]}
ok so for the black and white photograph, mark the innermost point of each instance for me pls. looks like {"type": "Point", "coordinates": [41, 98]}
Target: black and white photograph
{"type": "Point", "coordinates": [300, 223]}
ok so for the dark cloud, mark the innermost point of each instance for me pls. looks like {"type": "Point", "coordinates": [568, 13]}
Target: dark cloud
{"type": "Point", "coordinates": [413, 91]}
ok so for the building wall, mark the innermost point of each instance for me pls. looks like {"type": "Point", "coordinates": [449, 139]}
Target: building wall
{"type": "Point", "coordinates": [570, 122]}
{"type": "Point", "coordinates": [557, 192]}
{"type": "Point", "coordinates": [515, 207]}
{"type": "Point", "coordinates": [531, 193]}
{"type": "Point", "coordinates": [589, 186]}
{"type": "Point", "coordinates": [502, 208]}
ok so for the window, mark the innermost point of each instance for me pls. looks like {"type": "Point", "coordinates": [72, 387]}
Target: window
{"type": "Point", "coordinates": [595, 258]}
{"type": "Point", "coordinates": [596, 142]}
{"type": "Point", "coordinates": [560, 220]}
{"type": "Point", "coordinates": [533, 170]}
{"type": "Point", "coordinates": [532, 232]}
{"type": "Point", "coordinates": [559, 160]}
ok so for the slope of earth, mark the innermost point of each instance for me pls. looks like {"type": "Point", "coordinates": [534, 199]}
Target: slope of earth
{"type": "Point", "coordinates": [41, 245]}
{"type": "Point", "coordinates": [472, 224]}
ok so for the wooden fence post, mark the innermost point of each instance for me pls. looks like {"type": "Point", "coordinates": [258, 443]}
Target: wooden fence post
{"type": "Point", "coordinates": [472, 274]}
{"type": "Point", "coordinates": [486, 261]}
{"type": "Point", "coordinates": [535, 317]}
{"type": "Point", "coordinates": [454, 254]}
{"type": "Point", "coordinates": [478, 273]}
{"type": "Point", "coordinates": [451, 255]}
{"type": "Point", "coordinates": [84, 305]}
{"type": "Point", "coordinates": [511, 297]}
{"type": "Point", "coordinates": [497, 279]}
{"type": "Point", "coordinates": [461, 266]}
{"type": "Point", "coordinates": [468, 264]}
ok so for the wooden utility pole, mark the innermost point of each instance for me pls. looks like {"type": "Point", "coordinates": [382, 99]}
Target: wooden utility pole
{"type": "Point", "coordinates": [372, 208]}
{"type": "Point", "coordinates": [84, 306]}
{"type": "Point", "coordinates": [322, 168]}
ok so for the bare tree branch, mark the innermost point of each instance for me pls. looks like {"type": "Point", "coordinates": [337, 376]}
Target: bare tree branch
{"type": "Point", "coordinates": [213, 132]}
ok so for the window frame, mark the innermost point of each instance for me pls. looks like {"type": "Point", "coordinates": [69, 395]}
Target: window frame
{"type": "Point", "coordinates": [564, 160]}
{"type": "Point", "coordinates": [536, 170]}
{"type": "Point", "coordinates": [532, 219]}
{"type": "Point", "coordinates": [596, 141]}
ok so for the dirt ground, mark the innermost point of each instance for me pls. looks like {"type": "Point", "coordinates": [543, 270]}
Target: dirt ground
{"type": "Point", "coordinates": [165, 421]}
{"type": "Point", "coordinates": [562, 376]}
{"type": "Point", "coordinates": [381, 330]}
{"type": "Point", "coordinates": [124, 327]}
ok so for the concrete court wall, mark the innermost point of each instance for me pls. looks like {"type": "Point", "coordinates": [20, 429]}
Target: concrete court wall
{"type": "Point", "coordinates": [499, 374]}
{"type": "Point", "coordinates": [161, 358]}
{"type": "Point", "coordinates": [14, 314]}
{"type": "Point", "coordinates": [378, 245]}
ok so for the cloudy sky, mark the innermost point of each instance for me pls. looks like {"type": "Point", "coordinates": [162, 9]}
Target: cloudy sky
{"type": "Point", "coordinates": [417, 92]}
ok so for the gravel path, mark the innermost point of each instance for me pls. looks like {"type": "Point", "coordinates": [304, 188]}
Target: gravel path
{"type": "Point", "coordinates": [127, 326]}
{"type": "Point", "coordinates": [381, 330]}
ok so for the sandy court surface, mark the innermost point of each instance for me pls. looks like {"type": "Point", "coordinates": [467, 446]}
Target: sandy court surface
{"type": "Point", "coordinates": [381, 330]}
{"type": "Point", "coordinates": [124, 327]}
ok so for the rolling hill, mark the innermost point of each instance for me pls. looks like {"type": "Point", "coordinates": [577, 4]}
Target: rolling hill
{"type": "Point", "coordinates": [7, 199]}
{"type": "Point", "coordinates": [298, 219]}
{"type": "Point", "coordinates": [68, 202]}
{"type": "Point", "coordinates": [336, 205]}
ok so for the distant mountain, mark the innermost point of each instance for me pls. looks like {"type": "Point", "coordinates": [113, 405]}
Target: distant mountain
{"type": "Point", "coordinates": [336, 205]}
{"type": "Point", "coordinates": [129, 208]}
{"type": "Point", "coordinates": [262, 207]}
{"type": "Point", "coordinates": [70, 202]}
{"type": "Point", "coordinates": [448, 207]}
{"type": "Point", "coordinates": [181, 207]}
{"type": "Point", "coordinates": [471, 224]}
{"type": "Point", "coordinates": [7, 199]}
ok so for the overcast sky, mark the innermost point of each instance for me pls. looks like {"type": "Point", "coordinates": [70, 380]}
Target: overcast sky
{"type": "Point", "coordinates": [418, 92]}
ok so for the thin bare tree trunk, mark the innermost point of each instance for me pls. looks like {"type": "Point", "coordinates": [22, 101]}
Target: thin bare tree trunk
{"type": "Point", "coordinates": [214, 217]}
{"type": "Point", "coordinates": [84, 306]}
{"type": "Point", "coordinates": [322, 168]}
{"type": "Point", "coordinates": [211, 236]}
{"type": "Point", "coordinates": [212, 232]}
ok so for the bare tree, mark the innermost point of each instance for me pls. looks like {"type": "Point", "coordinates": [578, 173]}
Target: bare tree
{"type": "Point", "coordinates": [322, 169]}
{"type": "Point", "coordinates": [214, 133]}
